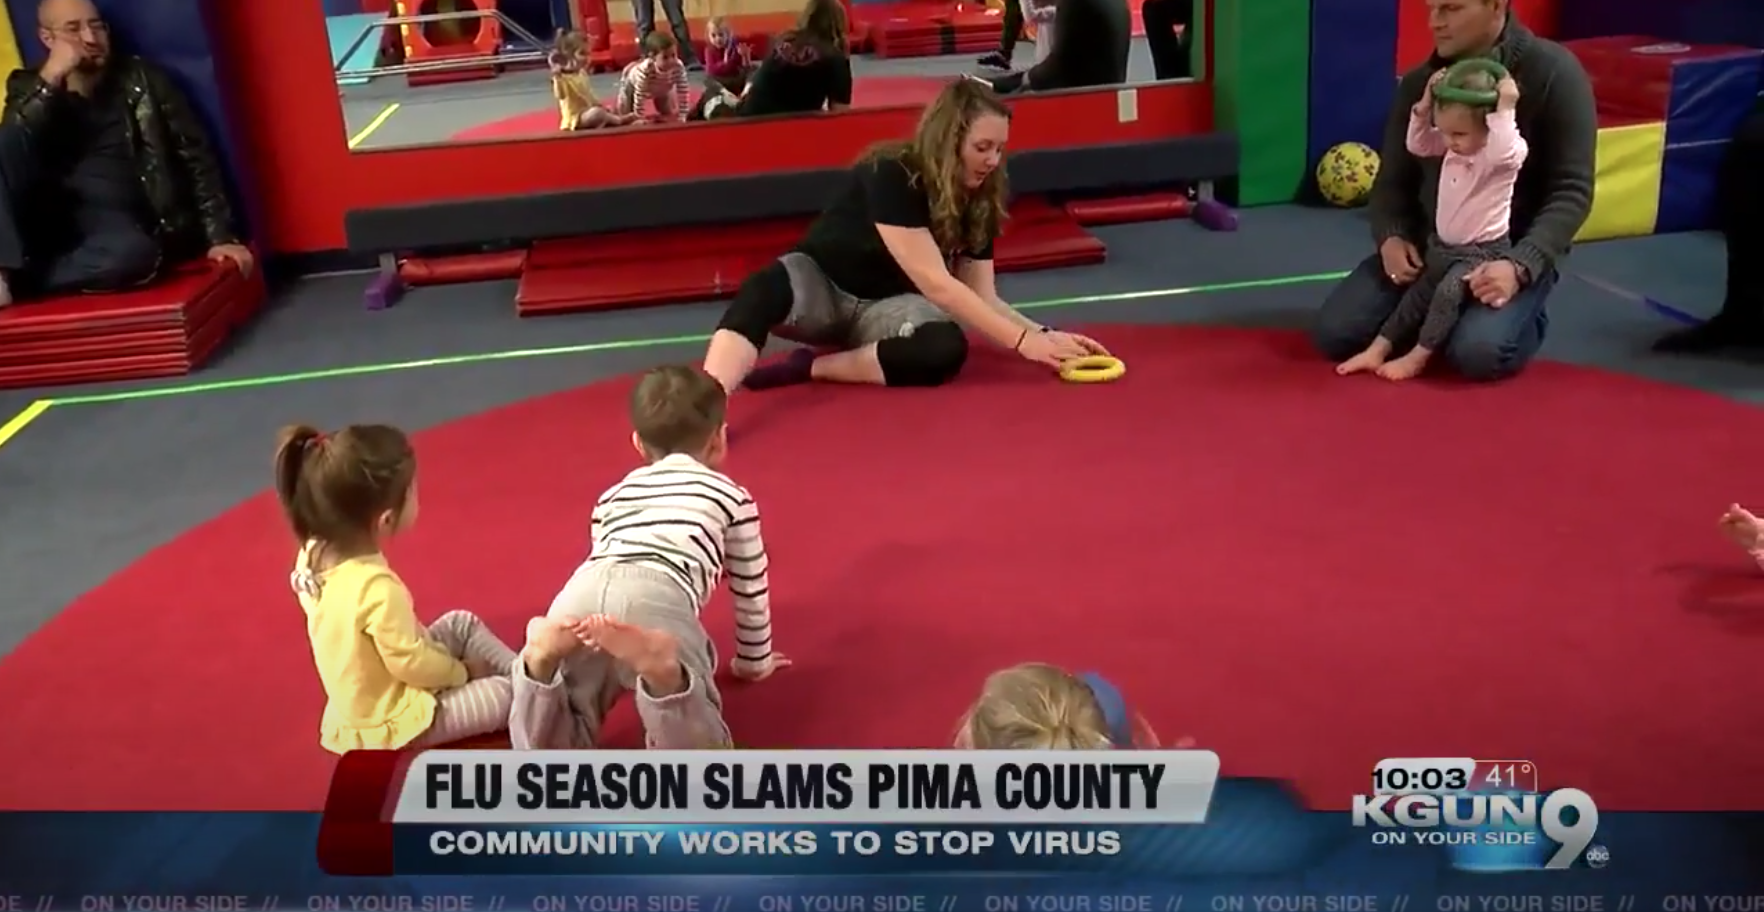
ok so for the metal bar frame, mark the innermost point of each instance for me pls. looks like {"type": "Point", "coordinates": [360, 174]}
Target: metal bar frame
{"type": "Point", "coordinates": [541, 48]}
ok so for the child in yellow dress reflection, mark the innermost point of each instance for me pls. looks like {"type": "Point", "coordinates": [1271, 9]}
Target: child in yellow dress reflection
{"type": "Point", "coordinates": [577, 107]}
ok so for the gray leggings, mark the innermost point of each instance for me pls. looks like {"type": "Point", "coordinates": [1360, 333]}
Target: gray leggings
{"type": "Point", "coordinates": [917, 344]}
{"type": "Point", "coordinates": [1429, 309]}
{"type": "Point", "coordinates": [477, 707]}
{"type": "Point", "coordinates": [566, 711]}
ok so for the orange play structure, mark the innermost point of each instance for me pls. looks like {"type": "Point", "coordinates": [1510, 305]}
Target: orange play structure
{"type": "Point", "coordinates": [475, 32]}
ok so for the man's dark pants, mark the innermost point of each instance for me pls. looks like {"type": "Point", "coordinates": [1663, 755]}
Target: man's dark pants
{"type": "Point", "coordinates": [1169, 50]}
{"type": "Point", "coordinates": [1740, 213]}
{"type": "Point", "coordinates": [1488, 344]}
{"type": "Point", "coordinates": [111, 253]}
{"type": "Point", "coordinates": [675, 10]}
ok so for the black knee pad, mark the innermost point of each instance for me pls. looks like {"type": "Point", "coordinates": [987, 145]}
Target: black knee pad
{"type": "Point", "coordinates": [932, 356]}
{"type": "Point", "coordinates": [762, 302]}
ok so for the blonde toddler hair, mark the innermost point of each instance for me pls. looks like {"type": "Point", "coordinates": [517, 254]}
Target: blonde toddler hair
{"type": "Point", "coordinates": [1034, 706]}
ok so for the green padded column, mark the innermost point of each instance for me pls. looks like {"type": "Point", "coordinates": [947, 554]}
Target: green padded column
{"type": "Point", "coordinates": [1261, 91]}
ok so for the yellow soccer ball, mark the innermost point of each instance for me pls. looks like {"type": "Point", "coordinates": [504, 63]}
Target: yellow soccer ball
{"type": "Point", "coordinates": [1346, 173]}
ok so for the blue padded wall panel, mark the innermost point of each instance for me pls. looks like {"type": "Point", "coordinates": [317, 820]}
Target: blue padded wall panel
{"type": "Point", "coordinates": [173, 34]}
{"type": "Point", "coordinates": [1687, 187]}
{"type": "Point", "coordinates": [1353, 71]}
{"type": "Point", "coordinates": [1709, 99]}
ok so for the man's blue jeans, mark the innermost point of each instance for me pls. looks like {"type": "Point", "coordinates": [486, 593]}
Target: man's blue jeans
{"type": "Point", "coordinates": [1488, 344]}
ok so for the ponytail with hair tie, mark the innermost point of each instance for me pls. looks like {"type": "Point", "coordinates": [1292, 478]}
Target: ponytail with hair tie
{"type": "Point", "coordinates": [1114, 708]}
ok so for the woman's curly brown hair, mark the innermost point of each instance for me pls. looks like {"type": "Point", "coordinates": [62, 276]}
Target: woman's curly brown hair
{"type": "Point", "coordinates": [961, 218]}
{"type": "Point", "coordinates": [820, 26]}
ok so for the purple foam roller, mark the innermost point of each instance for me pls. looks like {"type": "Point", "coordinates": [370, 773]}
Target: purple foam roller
{"type": "Point", "coordinates": [1214, 216]}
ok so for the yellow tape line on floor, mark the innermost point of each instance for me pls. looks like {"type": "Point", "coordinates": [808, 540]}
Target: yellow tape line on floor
{"type": "Point", "coordinates": [11, 428]}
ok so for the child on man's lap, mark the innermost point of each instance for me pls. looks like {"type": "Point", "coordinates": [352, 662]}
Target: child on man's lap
{"type": "Point", "coordinates": [1481, 152]}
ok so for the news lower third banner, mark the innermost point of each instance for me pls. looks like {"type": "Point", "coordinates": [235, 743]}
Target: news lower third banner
{"type": "Point", "coordinates": [764, 812]}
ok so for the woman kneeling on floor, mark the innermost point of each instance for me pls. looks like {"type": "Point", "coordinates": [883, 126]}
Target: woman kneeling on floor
{"type": "Point", "coordinates": [873, 278]}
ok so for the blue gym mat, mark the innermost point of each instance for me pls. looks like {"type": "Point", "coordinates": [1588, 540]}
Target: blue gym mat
{"type": "Point", "coordinates": [343, 31]}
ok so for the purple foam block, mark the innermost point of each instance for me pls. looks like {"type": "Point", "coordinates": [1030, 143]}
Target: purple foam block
{"type": "Point", "coordinates": [1214, 216]}
{"type": "Point", "coordinates": [384, 291]}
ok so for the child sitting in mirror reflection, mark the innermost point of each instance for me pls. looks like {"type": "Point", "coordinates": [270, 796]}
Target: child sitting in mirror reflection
{"type": "Point", "coordinates": [727, 62]}
{"type": "Point", "coordinates": [577, 107]}
{"type": "Point", "coordinates": [657, 81]}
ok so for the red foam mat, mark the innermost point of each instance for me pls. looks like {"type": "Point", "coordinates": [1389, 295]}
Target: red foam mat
{"type": "Point", "coordinates": [164, 303]}
{"type": "Point", "coordinates": [134, 335]}
{"type": "Point", "coordinates": [471, 267]}
{"type": "Point", "coordinates": [955, 33]}
{"type": "Point", "coordinates": [774, 235]}
{"type": "Point", "coordinates": [617, 271]}
{"type": "Point", "coordinates": [1122, 210]}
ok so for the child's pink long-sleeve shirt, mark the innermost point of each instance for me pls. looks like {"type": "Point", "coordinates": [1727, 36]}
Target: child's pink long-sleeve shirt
{"type": "Point", "coordinates": [1475, 191]}
{"type": "Point", "coordinates": [726, 62]}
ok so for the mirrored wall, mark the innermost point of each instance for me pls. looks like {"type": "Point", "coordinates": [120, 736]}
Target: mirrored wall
{"type": "Point", "coordinates": [421, 72]}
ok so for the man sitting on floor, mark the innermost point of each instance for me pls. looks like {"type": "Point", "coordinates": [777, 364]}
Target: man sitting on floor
{"type": "Point", "coordinates": [107, 172]}
{"type": "Point", "coordinates": [1503, 328]}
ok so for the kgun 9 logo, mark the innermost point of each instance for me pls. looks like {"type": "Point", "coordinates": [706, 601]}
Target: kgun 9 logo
{"type": "Point", "coordinates": [1569, 818]}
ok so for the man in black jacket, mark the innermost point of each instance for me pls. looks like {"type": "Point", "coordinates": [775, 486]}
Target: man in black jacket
{"type": "Point", "coordinates": [107, 172]}
{"type": "Point", "coordinates": [1739, 191]}
{"type": "Point", "coordinates": [1091, 41]}
{"type": "Point", "coordinates": [1504, 326]}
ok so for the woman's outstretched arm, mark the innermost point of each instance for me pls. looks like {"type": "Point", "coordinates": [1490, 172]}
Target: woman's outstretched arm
{"type": "Point", "coordinates": [918, 256]}
{"type": "Point", "coordinates": [981, 278]}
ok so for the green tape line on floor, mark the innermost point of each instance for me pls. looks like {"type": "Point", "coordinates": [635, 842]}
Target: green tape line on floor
{"type": "Point", "coordinates": [364, 370]}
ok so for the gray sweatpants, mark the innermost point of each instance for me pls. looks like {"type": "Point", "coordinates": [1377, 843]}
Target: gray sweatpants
{"type": "Point", "coordinates": [825, 316]}
{"type": "Point", "coordinates": [566, 711]}
{"type": "Point", "coordinates": [479, 706]}
{"type": "Point", "coordinates": [1429, 309]}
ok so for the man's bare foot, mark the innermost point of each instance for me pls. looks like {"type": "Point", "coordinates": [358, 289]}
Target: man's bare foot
{"type": "Point", "coordinates": [1407, 367]}
{"type": "Point", "coordinates": [5, 289]}
{"type": "Point", "coordinates": [549, 642]}
{"type": "Point", "coordinates": [652, 654]}
{"type": "Point", "coordinates": [1369, 360]}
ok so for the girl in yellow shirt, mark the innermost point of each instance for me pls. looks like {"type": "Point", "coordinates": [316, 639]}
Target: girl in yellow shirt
{"type": "Point", "coordinates": [577, 107]}
{"type": "Point", "coordinates": [389, 683]}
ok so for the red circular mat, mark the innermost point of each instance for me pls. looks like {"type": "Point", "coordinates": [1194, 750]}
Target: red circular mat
{"type": "Point", "coordinates": [867, 92]}
{"type": "Point", "coordinates": [1304, 572]}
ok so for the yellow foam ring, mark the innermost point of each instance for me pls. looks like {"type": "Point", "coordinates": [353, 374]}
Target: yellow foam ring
{"type": "Point", "coordinates": [1626, 182]}
{"type": "Point", "coordinates": [10, 56]}
{"type": "Point", "coordinates": [1094, 369]}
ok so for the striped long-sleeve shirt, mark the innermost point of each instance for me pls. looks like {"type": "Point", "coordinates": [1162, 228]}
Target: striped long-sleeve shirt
{"type": "Point", "coordinates": [651, 80]}
{"type": "Point", "coordinates": [694, 524]}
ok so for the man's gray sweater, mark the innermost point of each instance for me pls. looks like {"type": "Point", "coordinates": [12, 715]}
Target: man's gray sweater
{"type": "Point", "coordinates": [1559, 121]}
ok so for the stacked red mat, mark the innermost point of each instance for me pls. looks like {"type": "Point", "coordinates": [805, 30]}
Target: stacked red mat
{"type": "Point", "coordinates": [165, 329]}
{"type": "Point", "coordinates": [677, 265]}
{"type": "Point", "coordinates": [937, 36]}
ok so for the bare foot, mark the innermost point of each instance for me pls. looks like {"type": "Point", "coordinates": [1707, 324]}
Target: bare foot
{"type": "Point", "coordinates": [549, 642]}
{"type": "Point", "coordinates": [1369, 360]}
{"type": "Point", "coordinates": [1742, 527]}
{"type": "Point", "coordinates": [1407, 367]}
{"type": "Point", "coordinates": [652, 654]}
{"type": "Point", "coordinates": [5, 289]}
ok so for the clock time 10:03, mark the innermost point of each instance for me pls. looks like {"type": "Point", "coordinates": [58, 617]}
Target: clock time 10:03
{"type": "Point", "coordinates": [1420, 776]}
